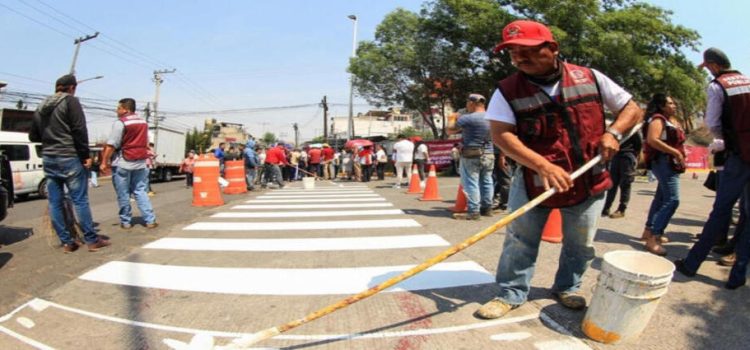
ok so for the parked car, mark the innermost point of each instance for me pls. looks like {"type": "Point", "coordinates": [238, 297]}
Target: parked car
{"type": "Point", "coordinates": [25, 159]}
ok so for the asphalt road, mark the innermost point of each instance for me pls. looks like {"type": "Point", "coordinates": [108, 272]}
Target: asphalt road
{"type": "Point", "coordinates": [231, 270]}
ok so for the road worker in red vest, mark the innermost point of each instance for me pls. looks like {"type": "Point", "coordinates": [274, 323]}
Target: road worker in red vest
{"type": "Point", "coordinates": [549, 118]}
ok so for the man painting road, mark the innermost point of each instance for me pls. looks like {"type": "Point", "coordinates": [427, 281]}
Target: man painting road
{"type": "Point", "coordinates": [549, 118]}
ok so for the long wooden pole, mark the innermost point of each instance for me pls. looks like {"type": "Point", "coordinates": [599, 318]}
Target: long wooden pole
{"type": "Point", "coordinates": [245, 342]}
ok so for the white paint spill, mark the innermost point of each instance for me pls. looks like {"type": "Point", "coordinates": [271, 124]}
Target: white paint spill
{"type": "Point", "coordinates": [38, 305]}
{"type": "Point", "coordinates": [564, 344]}
{"type": "Point", "coordinates": [510, 336]}
{"type": "Point", "coordinates": [308, 214]}
{"type": "Point", "coordinates": [324, 200]}
{"type": "Point", "coordinates": [298, 244]}
{"type": "Point", "coordinates": [256, 281]}
{"type": "Point", "coordinates": [26, 322]}
{"type": "Point", "coordinates": [300, 225]}
{"type": "Point", "coordinates": [312, 206]}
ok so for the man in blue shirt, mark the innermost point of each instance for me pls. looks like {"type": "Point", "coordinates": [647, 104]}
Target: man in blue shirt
{"type": "Point", "coordinates": [477, 159]}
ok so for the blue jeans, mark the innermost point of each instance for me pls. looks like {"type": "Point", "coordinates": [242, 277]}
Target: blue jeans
{"type": "Point", "coordinates": [476, 179]}
{"type": "Point", "coordinates": [250, 174]}
{"type": "Point", "coordinates": [735, 178]}
{"type": "Point", "coordinates": [521, 246]}
{"type": "Point", "coordinates": [62, 172]}
{"type": "Point", "coordinates": [667, 197]}
{"type": "Point", "coordinates": [135, 182]}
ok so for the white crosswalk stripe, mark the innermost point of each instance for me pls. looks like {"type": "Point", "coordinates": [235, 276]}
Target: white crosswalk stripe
{"type": "Point", "coordinates": [307, 214]}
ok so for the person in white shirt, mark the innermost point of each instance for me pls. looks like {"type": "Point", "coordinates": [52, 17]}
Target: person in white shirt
{"type": "Point", "coordinates": [381, 158]}
{"type": "Point", "coordinates": [421, 157]}
{"type": "Point", "coordinates": [403, 150]}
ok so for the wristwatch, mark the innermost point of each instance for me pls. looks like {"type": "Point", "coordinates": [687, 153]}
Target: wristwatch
{"type": "Point", "coordinates": [615, 133]}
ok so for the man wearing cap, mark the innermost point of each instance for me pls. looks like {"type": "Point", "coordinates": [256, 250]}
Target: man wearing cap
{"type": "Point", "coordinates": [728, 118]}
{"type": "Point", "coordinates": [549, 118]}
{"type": "Point", "coordinates": [477, 159]}
{"type": "Point", "coordinates": [60, 125]}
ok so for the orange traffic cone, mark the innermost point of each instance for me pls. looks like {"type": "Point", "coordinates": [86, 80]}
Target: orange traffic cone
{"type": "Point", "coordinates": [234, 172]}
{"type": "Point", "coordinates": [414, 183]}
{"type": "Point", "coordinates": [431, 189]}
{"type": "Point", "coordinates": [552, 231]}
{"type": "Point", "coordinates": [206, 182]}
{"type": "Point", "coordinates": [461, 205]}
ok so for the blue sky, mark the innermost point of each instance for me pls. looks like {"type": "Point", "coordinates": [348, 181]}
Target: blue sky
{"type": "Point", "coordinates": [239, 54]}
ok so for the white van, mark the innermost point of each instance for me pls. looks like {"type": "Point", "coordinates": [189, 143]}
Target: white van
{"type": "Point", "coordinates": [25, 163]}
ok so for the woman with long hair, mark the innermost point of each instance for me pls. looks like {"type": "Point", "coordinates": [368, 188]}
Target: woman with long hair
{"type": "Point", "coordinates": [665, 156]}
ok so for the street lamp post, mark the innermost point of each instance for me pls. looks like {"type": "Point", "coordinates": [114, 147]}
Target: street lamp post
{"type": "Point", "coordinates": [350, 123]}
{"type": "Point", "coordinates": [93, 78]}
{"type": "Point", "coordinates": [77, 43]}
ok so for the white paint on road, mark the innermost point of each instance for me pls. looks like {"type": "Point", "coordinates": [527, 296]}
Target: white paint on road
{"type": "Point", "coordinates": [258, 281]}
{"type": "Point", "coordinates": [337, 195]}
{"type": "Point", "coordinates": [25, 339]}
{"type": "Point", "coordinates": [298, 244]}
{"type": "Point", "coordinates": [564, 344]}
{"type": "Point", "coordinates": [324, 200]}
{"type": "Point", "coordinates": [312, 206]}
{"type": "Point", "coordinates": [510, 336]}
{"type": "Point", "coordinates": [307, 214]}
{"type": "Point", "coordinates": [26, 322]}
{"type": "Point", "coordinates": [315, 192]}
{"type": "Point", "coordinates": [300, 225]}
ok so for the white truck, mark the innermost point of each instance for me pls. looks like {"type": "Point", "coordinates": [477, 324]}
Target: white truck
{"type": "Point", "coordinates": [169, 146]}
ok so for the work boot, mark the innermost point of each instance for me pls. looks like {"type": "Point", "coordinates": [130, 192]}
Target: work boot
{"type": "Point", "coordinates": [653, 245]}
{"type": "Point", "coordinates": [617, 215]}
{"type": "Point", "coordinates": [152, 225]}
{"type": "Point", "coordinates": [495, 308]}
{"type": "Point", "coordinates": [485, 212]}
{"type": "Point", "coordinates": [70, 247]}
{"type": "Point", "coordinates": [724, 250]}
{"type": "Point", "coordinates": [466, 216]}
{"type": "Point", "coordinates": [570, 300]}
{"type": "Point", "coordinates": [679, 265]}
{"type": "Point", "coordinates": [728, 260]}
{"type": "Point", "coordinates": [647, 233]}
{"type": "Point", "coordinates": [100, 243]}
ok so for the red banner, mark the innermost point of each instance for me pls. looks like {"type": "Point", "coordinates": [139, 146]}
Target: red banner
{"type": "Point", "coordinates": [440, 152]}
{"type": "Point", "coordinates": [697, 157]}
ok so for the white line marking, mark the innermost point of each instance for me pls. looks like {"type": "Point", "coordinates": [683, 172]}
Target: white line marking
{"type": "Point", "coordinates": [564, 344]}
{"type": "Point", "coordinates": [510, 336]}
{"type": "Point", "coordinates": [315, 192]}
{"type": "Point", "coordinates": [9, 315]}
{"type": "Point", "coordinates": [26, 339]}
{"type": "Point", "coordinates": [338, 195]}
{"type": "Point", "coordinates": [578, 344]}
{"type": "Point", "coordinates": [300, 225]}
{"type": "Point", "coordinates": [326, 200]}
{"type": "Point", "coordinates": [330, 189]}
{"type": "Point", "coordinates": [255, 281]}
{"type": "Point", "coordinates": [306, 214]}
{"type": "Point", "coordinates": [303, 337]}
{"type": "Point", "coordinates": [313, 206]}
{"type": "Point", "coordinates": [298, 244]}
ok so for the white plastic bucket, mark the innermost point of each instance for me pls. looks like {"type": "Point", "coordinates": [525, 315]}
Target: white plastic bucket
{"type": "Point", "coordinates": [627, 293]}
{"type": "Point", "coordinates": [308, 183]}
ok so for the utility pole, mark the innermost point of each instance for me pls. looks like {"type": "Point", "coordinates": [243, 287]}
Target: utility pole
{"type": "Point", "coordinates": [147, 111]}
{"type": "Point", "coordinates": [324, 104]}
{"type": "Point", "coordinates": [350, 124]}
{"type": "Point", "coordinates": [296, 134]}
{"type": "Point", "coordinates": [158, 80]}
{"type": "Point", "coordinates": [77, 43]}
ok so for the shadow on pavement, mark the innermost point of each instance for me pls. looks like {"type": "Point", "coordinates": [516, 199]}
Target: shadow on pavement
{"type": "Point", "coordinates": [10, 235]}
{"type": "Point", "coordinates": [4, 258]}
{"type": "Point", "coordinates": [434, 213]}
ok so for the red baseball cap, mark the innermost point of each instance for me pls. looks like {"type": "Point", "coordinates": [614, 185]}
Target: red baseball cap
{"type": "Point", "coordinates": [525, 33]}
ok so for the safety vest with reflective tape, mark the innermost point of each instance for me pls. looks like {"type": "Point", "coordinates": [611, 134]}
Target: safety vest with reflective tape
{"type": "Point", "coordinates": [735, 113]}
{"type": "Point", "coordinates": [134, 144]}
{"type": "Point", "coordinates": [565, 130]}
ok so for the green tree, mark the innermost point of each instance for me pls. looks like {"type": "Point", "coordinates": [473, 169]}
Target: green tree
{"type": "Point", "coordinates": [268, 138]}
{"type": "Point", "coordinates": [438, 56]}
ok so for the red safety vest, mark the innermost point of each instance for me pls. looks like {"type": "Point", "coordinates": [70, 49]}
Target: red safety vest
{"type": "Point", "coordinates": [675, 138]}
{"type": "Point", "coordinates": [735, 114]}
{"type": "Point", "coordinates": [565, 130]}
{"type": "Point", "coordinates": [134, 144]}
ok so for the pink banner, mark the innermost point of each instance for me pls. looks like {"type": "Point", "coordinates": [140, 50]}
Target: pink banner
{"type": "Point", "coordinates": [697, 157]}
{"type": "Point", "coordinates": [440, 152]}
